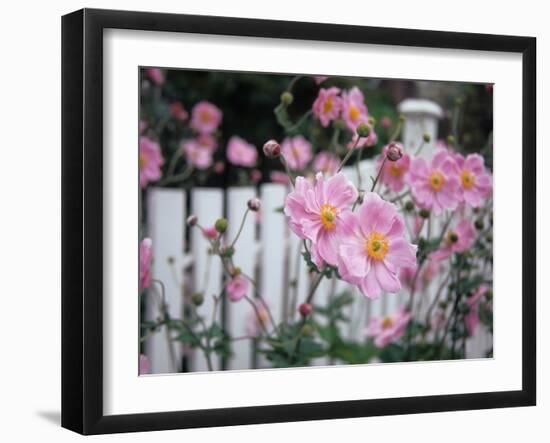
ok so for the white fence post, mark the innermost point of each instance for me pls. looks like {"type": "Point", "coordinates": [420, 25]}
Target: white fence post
{"type": "Point", "coordinates": [421, 117]}
{"type": "Point", "coordinates": [166, 216]}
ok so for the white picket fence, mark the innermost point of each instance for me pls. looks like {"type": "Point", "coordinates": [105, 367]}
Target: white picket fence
{"type": "Point", "coordinates": [267, 250]}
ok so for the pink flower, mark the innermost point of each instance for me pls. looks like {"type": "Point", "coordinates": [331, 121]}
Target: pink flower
{"type": "Point", "coordinates": [145, 258]}
{"type": "Point", "coordinates": [388, 329]}
{"type": "Point", "coordinates": [327, 105]}
{"type": "Point", "coordinates": [178, 111]}
{"type": "Point", "coordinates": [197, 154]}
{"type": "Point", "coordinates": [434, 186]}
{"type": "Point", "coordinates": [385, 122]}
{"type": "Point", "coordinates": [354, 110]}
{"type": "Point", "coordinates": [279, 177]}
{"type": "Point", "coordinates": [373, 248]}
{"type": "Point", "coordinates": [318, 212]}
{"type": "Point", "coordinates": [210, 233]}
{"type": "Point", "coordinates": [205, 117]}
{"type": "Point", "coordinates": [240, 152]}
{"type": "Point", "coordinates": [425, 276]}
{"type": "Point", "coordinates": [475, 181]}
{"type": "Point", "coordinates": [150, 161]}
{"type": "Point", "coordinates": [296, 152]}
{"type": "Point", "coordinates": [471, 319]}
{"type": "Point", "coordinates": [237, 288]}
{"type": "Point", "coordinates": [319, 78]}
{"type": "Point", "coordinates": [144, 364]}
{"type": "Point", "coordinates": [393, 174]}
{"type": "Point", "coordinates": [156, 75]}
{"type": "Point", "coordinates": [459, 239]}
{"type": "Point", "coordinates": [257, 319]}
{"type": "Point", "coordinates": [326, 163]}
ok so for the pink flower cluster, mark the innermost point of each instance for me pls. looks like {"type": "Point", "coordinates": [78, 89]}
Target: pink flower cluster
{"type": "Point", "coordinates": [367, 246]}
{"type": "Point", "coordinates": [386, 330]}
{"type": "Point", "coordinates": [150, 161]}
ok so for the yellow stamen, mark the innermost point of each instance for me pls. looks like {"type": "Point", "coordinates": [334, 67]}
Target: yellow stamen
{"type": "Point", "coordinates": [142, 161]}
{"type": "Point", "coordinates": [436, 181]}
{"type": "Point", "coordinates": [327, 105]}
{"type": "Point", "coordinates": [205, 117]}
{"type": "Point", "coordinates": [387, 322]}
{"type": "Point", "coordinates": [468, 179]}
{"type": "Point", "coordinates": [377, 246]}
{"type": "Point", "coordinates": [354, 112]}
{"type": "Point", "coordinates": [395, 170]}
{"type": "Point", "coordinates": [328, 216]}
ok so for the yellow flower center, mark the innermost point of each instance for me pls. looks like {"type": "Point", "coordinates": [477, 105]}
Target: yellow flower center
{"type": "Point", "coordinates": [468, 179]}
{"type": "Point", "coordinates": [328, 216]}
{"type": "Point", "coordinates": [142, 161]}
{"type": "Point", "coordinates": [377, 246]}
{"type": "Point", "coordinates": [354, 112]}
{"type": "Point", "coordinates": [436, 181]}
{"type": "Point", "coordinates": [205, 117]}
{"type": "Point", "coordinates": [327, 105]}
{"type": "Point", "coordinates": [395, 170]}
{"type": "Point", "coordinates": [387, 322]}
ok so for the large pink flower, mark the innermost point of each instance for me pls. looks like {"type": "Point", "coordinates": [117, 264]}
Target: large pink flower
{"type": "Point", "coordinates": [388, 329]}
{"type": "Point", "coordinates": [373, 248]}
{"type": "Point", "coordinates": [475, 181]}
{"type": "Point", "coordinates": [326, 163]}
{"type": "Point", "coordinates": [471, 319]}
{"type": "Point", "coordinates": [197, 152]}
{"type": "Point", "coordinates": [145, 257]}
{"type": "Point", "coordinates": [150, 161]}
{"type": "Point", "coordinates": [205, 117]}
{"type": "Point", "coordinates": [327, 105]}
{"type": "Point", "coordinates": [354, 110]}
{"type": "Point", "coordinates": [459, 239]}
{"type": "Point", "coordinates": [240, 152]}
{"type": "Point", "coordinates": [296, 152]}
{"type": "Point", "coordinates": [237, 287]}
{"type": "Point", "coordinates": [434, 186]}
{"type": "Point", "coordinates": [318, 212]}
{"type": "Point", "coordinates": [393, 174]}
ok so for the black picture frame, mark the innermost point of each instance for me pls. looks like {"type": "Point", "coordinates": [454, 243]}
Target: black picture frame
{"type": "Point", "coordinates": [82, 220]}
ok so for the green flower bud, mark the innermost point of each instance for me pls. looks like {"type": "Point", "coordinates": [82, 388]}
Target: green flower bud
{"type": "Point", "coordinates": [197, 298]}
{"type": "Point", "coordinates": [307, 330]}
{"type": "Point", "coordinates": [287, 98]}
{"type": "Point", "coordinates": [221, 225]}
{"type": "Point", "coordinates": [363, 130]}
{"type": "Point", "coordinates": [479, 224]}
{"type": "Point", "coordinates": [451, 140]}
{"type": "Point", "coordinates": [424, 213]}
{"type": "Point", "coordinates": [426, 137]}
{"type": "Point", "coordinates": [409, 206]}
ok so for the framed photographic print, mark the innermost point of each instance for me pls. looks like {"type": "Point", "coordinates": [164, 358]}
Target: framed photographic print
{"type": "Point", "coordinates": [270, 221]}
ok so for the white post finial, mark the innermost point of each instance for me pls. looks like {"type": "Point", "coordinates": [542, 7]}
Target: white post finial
{"type": "Point", "coordinates": [421, 117]}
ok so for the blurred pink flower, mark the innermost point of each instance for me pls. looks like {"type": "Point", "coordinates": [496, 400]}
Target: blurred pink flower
{"type": "Point", "coordinates": [327, 105]}
{"type": "Point", "coordinates": [385, 122]}
{"type": "Point", "coordinates": [388, 329]}
{"type": "Point", "coordinates": [207, 142]}
{"type": "Point", "coordinates": [150, 161]}
{"type": "Point", "coordinates": [279, 177]}
{"type": "Point", "coordinates": [459, 239]}
{"type": "Point", "coordinates": [145, 258]}
{"type": "Point", "coordinates": [197, 154]}
{"type": "Point", "coordinates": [326, 163]}
{"type": "Point", "coordinates": [354, 110]}
{"type": "Point", "coordinates": [240, 152]}
{"type": "Point", "coordinates": [471, 319]}
{"type": "Point", "coordinates": [373, 247]}
{"type": "Point", "coordinates": [156, 75]}
{"type": "Point", "coordinates": [144, 364]}
{"type": "Point", "coordinates": [237, 287]}
{"type": "Point", "coordinates": [210, 232]}
{"type": "Point", "coordinates": [434, 186]}
{"type": "Point", "coordinates": [205, 117]}
{"type": "Point", "coordinates": [319, 78]}
{"type": "Point", "coordinates": [257, 319]}
{"type": "Point", "coordinates": [425, 276]}
{"type": "Point", "coordinates": [393, 174]}
{"type": "Point", "coordinates": [296, 152]}
{"type": "Point", "coordinates": [318, 211]}
{"type": "Point", "coordinates": [219, 167]}
{"type": "Point", "coordinates": [178, 111]}
{"type": "Point", "coordinates": [475, 181]}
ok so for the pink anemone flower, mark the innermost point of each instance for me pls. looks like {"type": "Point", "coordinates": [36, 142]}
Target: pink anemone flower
{"type": "Point", "coordinates": [388, 329]}
{"type": "Point", "coordinates": [434, 186]}
{"type": "Point", "coordinates": [197, 154]}
{"type": "Point", "coordinates": [459, 239]}
{"type": "Point", "coordinates": [393, 173]}
{"type": "Point", "coordinates": [178, 111]}
{"type": "Point", "coordinates": [240, 152]}
{"type": "Point", "coordinates": [156, 75]}
{"type": "Point", "coordinates": [257, 319]}
{"type": "Point", "coordinates": [237, 287]}
{"type": "Point", "coordinates": [373, 249]}
{"type": "Point", "coordinates": [475, 181]}
{"type": "Point", "coordinates": [318, 211]}
{"type": "Point", "coordinates": [326, 163]}
{"type": "Point", "coordinates": [471, 319]}
{"type": "Point", "coordinates": [205, 117]}
{"type": "Point", "coordinates": [145, 258]}
{"type": "Point", "coordinates": [327, 105]}
{"type": "Point", "coordinates": [354, 110]}
{"type": "Point", "coordinates": [279, 177]}
{"type": "Point", "coordinates": [150, 161]}
{"type": "Point", "coordinates": [296, 152]}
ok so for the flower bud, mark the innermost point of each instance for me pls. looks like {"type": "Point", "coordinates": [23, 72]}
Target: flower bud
{"type": "Point", "coordinates": [489, 294]}
{"type": "Point", "coordinates": [254, 204]}
{"type": "Point", "coordinates": [426, 137]}
{"type": "Point", "coordinates": [227, 251]}
{"type": "Point", "coordinates": [479, 224]}
{"type": "Point", "coordinates": [394, 151]}
{"type": "Point", "coordinates": [221, 225]}
{"type": "Point", "coordinates": [363, 130]}
{"type": "Point", "coordinates": [170, 260]}
{"type": "Point", "coordinates": [371, 121]}
{"type": "Point", "coordinates": [451, 140]}
{"type": "Point", "coordinates": [424, 213]}
{"type": "Point", "coordinates": [453, 237]}
{"type": "Point", "coordinates": [402, 118]}
{"type": "Point", "coordinates": [307, 330]}
{"type": "Point", "coordinates": [192, 220]}
{"type": "Point", "coordinates": [287, 98]}
{"type": "Point", "coordinates": [272, 149]}
{"type": "Point", "coordinates": [305, 309]}
{"type": "Point", "coordinates": [409, 206]}
{"type": "Point", "coordinates": [197, 298]}
{"type": "Point", "coordinates": [236, 271]}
